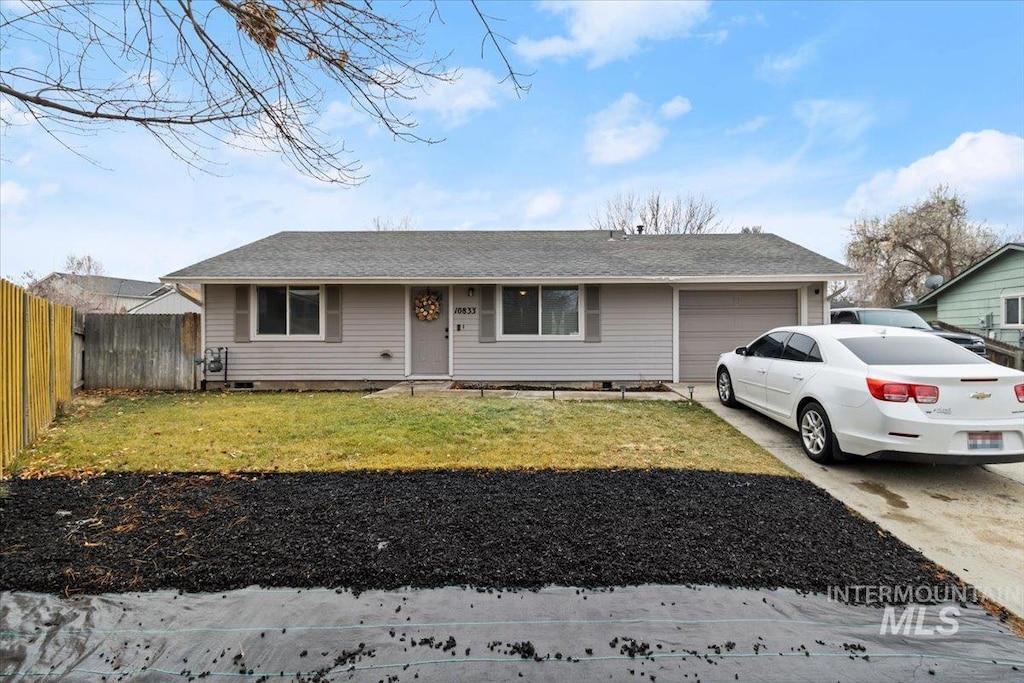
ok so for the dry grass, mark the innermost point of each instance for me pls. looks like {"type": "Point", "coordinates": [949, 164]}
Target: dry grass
{"type": "Point", "coordinates": [295, 432]}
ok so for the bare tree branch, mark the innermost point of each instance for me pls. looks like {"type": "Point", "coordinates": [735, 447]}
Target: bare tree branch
{"type": "Point", "coordinates": [253, 74]}
{"type": "Point", "coordinates": [69, 287]}
{"type": "Point", "coordinates": [654, 214]}
{"type": "Point", "coordinates": [388, 224]}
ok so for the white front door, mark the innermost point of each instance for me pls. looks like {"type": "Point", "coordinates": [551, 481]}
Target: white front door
{"type": "Point", "coordinates": [429, 337]}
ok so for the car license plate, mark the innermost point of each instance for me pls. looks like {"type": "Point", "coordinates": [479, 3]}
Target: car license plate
{"type": "Point", "coordinates": [984, 441]}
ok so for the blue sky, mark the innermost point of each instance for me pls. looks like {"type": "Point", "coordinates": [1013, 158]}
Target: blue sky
{"type": "Point", "coordinates": [798, 117]}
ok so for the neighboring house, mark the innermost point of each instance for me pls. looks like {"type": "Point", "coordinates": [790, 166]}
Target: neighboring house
{"type": "Point", "coordinates": [334, 309]}
{"type": "Point", "coordinates": [174, 300]}
{"type": "Point", "coordinates": [97, 293]}
{"type": "Point", "coordinates": [986, 298]}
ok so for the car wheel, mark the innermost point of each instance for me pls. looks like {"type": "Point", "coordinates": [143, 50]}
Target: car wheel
{"type": "Point", "coordinates": [725, 394]}
{"type": "Point", "coordinates": [816, 433]}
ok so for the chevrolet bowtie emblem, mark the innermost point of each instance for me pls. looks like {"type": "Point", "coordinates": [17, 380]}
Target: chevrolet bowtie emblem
{"type": "Point", "coordinates": [980, 395]}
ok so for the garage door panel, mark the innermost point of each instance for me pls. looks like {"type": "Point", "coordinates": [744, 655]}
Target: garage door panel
{"type": "Point", "coordinates": [711, 322]}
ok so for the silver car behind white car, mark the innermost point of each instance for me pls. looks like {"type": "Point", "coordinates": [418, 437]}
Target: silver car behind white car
{"type": "Point", "coordinates": [879, 392]}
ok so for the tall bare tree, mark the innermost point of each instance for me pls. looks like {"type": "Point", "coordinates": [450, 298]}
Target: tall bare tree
{"type": "Point", "coordinates": [657, 214]}
{"type": "Point", "coordinates": [389, 224]}
{"type": "Point", "coordinates": [248, 73]}
{"type": "Point", "coordinates": [897, 253]}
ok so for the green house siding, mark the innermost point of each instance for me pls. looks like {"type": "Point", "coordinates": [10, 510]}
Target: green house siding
{"type": "Point", "coordinates": [981, 294]}
{"type": "Point", "coordinates": [929, 313]}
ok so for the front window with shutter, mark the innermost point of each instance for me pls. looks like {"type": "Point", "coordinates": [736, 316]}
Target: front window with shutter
{"type": "Point", "coordinates": [540, 310]}
{"type": "Point", "coordinates": [288, 311]}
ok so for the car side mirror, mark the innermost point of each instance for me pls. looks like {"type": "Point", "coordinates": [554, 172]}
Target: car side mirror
{"type": "Point", "coordinates": [741, 350]}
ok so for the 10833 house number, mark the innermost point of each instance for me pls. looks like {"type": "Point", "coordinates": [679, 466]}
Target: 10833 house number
{"type": "Point", "coordinates": [465, 310]}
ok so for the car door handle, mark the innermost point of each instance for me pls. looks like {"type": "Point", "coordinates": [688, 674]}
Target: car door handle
{"type": "Point", "coordinates": [798, 376]}
{"type": "Point", "coordinates": [761, 371]}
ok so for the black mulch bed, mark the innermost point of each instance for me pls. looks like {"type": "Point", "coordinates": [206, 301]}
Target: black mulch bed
{"type": "Point", "coordinates": [202, 532]}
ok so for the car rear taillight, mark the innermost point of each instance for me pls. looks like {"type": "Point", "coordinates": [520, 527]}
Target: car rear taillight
{"type": "Point", "coordinates": [900, 392]}
{"type": "Point", "coordinates": [1019, 390]}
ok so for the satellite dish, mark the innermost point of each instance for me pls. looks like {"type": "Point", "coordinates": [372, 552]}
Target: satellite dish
{"type": "Point", "coordinates": [934, 282]}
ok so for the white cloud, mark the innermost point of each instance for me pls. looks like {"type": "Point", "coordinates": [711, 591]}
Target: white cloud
{"type": "Point", "coordinates": [12, 115]}
{"type": "Point", "coordinates": [986, 166]}
{"type": "Point", "coordinates": [675, 107]}
{"type": "Point", "coordinates": [716, 37]}
{"type": "Point", "coordinates": [476, 90]}
{"type": "Point", "coordinates": [744, 19]}
{"type": "Point", "coordinates": [544, 204]}
{"type": "Point", "coordinates": [754, 124]}
{"type": "Point", "coordinates": [623, 132]}
{"type": "Point", "coordinates": [12, 194]}
{"type": "Point", "coordinates": [783, 67]}
{"type": "Point", "coordinates": [606, 31]}
{"type": "Point", "coordinates": [18, 6]}
{"type": "Point", "coordinates": [341, 115]}
{"type": "Point", "coordinates": [834, 119]}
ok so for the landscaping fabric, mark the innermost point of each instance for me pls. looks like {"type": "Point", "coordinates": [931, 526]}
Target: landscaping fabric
{"type": "Point", "coordinates": [361, 531]}
{"type": "Point", "coordinates": [645, 633]}
{"type": "Point", "coordinates": [455, 576]}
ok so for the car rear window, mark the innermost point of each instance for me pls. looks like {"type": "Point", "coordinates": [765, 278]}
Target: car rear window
{"type": "Point", "coordinates": [910, 351]}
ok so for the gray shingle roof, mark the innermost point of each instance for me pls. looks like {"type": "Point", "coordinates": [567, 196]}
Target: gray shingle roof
{"type": "Point", "coordinates": [483, 255]}
{"type": "Point", "coordinates": [112, 286]}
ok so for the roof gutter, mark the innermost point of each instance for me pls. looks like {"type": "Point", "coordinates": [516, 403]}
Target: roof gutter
{"type": "Point", "coordinates": [477, 279]}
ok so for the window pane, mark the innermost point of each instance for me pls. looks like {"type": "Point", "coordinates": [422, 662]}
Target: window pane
{"type": "Point", "coordinates": [272, 309]}
{"type": "Point", "coordinates": [769, 346]}
{"type": "Point", "coordinates": [1012, 314]}
{"type": "Point", "coordinates": [894, 318]}
{"type": "Point", "coordinates": [304, 310]}
{"type": "Point", "coordinates": [519, 307]}
{"type": "Point", "coordinates": [560, 310]}
{"type": "Point", "coordinates": [798, 347]}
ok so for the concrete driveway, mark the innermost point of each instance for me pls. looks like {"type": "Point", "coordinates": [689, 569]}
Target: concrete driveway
{"type": "Point", "coordinates": [968, 519]}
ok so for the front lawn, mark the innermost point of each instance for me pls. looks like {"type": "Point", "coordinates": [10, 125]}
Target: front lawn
{"type": "Point", "coordinates": [314, 431]}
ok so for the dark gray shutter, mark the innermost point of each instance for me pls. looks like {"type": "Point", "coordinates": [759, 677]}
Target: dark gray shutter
{"type": "Point", "coordinates": [488, 317]}
{"type": "Point", "coordinates": [242, 325]}
{"type": "Point", "coordinates": [593, 314]}
{"type": "Point", "coordinates": [332, 313]}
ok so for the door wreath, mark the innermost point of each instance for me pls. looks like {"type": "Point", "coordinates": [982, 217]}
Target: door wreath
{"type": "Point", "coordinates": [427, 306]}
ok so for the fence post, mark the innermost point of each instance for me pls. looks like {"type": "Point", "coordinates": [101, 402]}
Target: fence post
{"type": "Point", "coordinates": [25, 317]}
{"type": "Point", "coordinates": [53, 361]}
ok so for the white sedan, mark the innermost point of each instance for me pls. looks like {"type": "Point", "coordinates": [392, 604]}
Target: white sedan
{"type": "Point", "coordinates": [880, 392]}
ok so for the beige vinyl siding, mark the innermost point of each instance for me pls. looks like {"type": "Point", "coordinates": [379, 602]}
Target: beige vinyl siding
{"type": "Point", "coordinates": [636, 343]}
{"type": "Point", "coordinates": [373, 321]}
{"type": "Point", "coordinates": [816, 303]}
{"type": "Point", "coordinates": [713, 321]}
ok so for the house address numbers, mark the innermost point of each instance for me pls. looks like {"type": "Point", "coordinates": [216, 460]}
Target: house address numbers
{"type": "Point", "coordinates": [465, 310]}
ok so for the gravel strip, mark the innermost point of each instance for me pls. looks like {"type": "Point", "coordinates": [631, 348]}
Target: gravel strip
{"type": "Point", "coordinates": [360, 531]}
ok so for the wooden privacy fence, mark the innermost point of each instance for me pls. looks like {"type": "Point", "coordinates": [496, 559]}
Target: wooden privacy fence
{"type": "Point", "coordinates": [999, 352]}
{"type": "Point", "coordinates": [35, 367]}
{"type": "Point", "coordinates": [142, 351]}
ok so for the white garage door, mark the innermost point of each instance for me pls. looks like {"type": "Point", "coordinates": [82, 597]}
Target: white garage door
{"type": "Point", "coordinates": [711, 322]}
